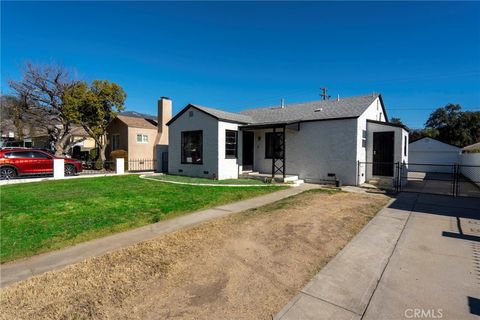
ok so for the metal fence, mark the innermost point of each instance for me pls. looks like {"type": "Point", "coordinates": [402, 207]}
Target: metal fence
{"type": "Point", "coordinates": [109, 167]}
{"type": "Point", "coordinates": [139, 165]}
{"type": "Point", "coordinates": [454, 180]}
{"type": "Point", "coordinates": [31, 168]}
{"type": "Point", "coordinates": [98, 167]}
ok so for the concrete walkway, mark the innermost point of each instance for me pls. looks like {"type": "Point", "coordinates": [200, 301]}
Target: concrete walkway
{"type": "Point", "coordinates": [418, 258]}
{"type": "Point", "coordinates": [25, 268]}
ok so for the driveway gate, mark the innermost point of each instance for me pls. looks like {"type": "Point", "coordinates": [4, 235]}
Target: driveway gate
{"type": "Point", "coordinates": [454, 180]}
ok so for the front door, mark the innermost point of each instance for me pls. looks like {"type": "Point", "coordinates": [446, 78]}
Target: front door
{"type": "Point", "coordinates": [383, 143]}
{"type": "Point", "coordinates": [247, 150]}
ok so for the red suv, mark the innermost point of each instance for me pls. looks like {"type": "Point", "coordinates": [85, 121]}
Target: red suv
{"type": "Point", "coordinates": [17, 162]}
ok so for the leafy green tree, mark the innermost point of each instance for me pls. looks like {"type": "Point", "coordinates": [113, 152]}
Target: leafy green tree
{"type": "Point", "coordinates": [396, 121]}
{"type": "Point", "coordinates": [454, 126]}
{"type": "Point", "coordinates": [422, 133]}
{"type": "Point", "coordinates": [94, 107]}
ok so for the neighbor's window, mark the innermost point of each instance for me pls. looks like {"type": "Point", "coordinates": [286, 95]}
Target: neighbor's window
{"type": "Point", "coordinates": [142, 138]}
{"type": "Point", "coordinates": [231, 138]}
{"type": "Point", "coordinates": [405, 146]}
{"type": "Point", "coordinates": [192, 147]}
{"type": "Point", "coordinates": [269, 145]}
{"type": "Point", "coordinates": [115, 141]}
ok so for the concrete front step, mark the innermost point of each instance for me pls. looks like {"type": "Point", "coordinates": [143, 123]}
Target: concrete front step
{"type": "Point", "coordinates": [383, 181]}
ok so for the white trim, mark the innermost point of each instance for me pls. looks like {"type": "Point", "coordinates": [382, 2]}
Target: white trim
{"type": "Point", "coordinates": [142, 138]}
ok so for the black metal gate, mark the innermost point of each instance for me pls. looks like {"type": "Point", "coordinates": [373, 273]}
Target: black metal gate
{"type": "Point", "coordinates": [453, 180]}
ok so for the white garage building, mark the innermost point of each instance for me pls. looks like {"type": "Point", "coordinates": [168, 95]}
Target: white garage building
{"type": "Point", "coordinates": [431, 155]}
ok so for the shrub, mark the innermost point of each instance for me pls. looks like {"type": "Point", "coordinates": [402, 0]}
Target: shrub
{"type": "Point", "coordinates": [118, 154]}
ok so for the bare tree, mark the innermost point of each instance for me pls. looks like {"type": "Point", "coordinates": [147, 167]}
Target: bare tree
{"type": "Point", "coordinates": [43, 88]}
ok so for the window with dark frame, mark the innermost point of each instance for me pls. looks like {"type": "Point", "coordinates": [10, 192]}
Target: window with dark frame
{"type": "Point", "coordinates": [115, 141]}
{"type": "Point", "coordinates": [192, 147]}
{"type": "Point", "coordinates": [405, 146]}
{"type": "Point", "coordinates": [269, 136]}
{"type": "Point", "coordinates": [231, 138]}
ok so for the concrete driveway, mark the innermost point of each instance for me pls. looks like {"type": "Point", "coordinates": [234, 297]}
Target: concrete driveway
{"type": "Point", "coordinates": [439, 183]}
{"type": "Point", "coordinates": [419, 258]}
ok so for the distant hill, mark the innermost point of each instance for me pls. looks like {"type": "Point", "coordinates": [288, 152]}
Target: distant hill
{"type": "Point", "coordinates": [138, 115]}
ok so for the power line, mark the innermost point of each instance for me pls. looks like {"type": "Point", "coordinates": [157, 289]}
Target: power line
{"type": "Point", "coordinates": [324, 94]}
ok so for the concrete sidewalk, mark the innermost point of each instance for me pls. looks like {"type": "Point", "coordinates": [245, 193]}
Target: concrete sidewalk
{"type": "Point", "coordinates": [418, 257]}
{"type": "Point", "coordinates": [25, 268]}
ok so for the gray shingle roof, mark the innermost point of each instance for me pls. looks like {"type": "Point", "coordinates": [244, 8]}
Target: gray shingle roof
{"type": "Point", "coordinates": [315, 110]}
{"type": "Point", "coordinates": [224, 115]}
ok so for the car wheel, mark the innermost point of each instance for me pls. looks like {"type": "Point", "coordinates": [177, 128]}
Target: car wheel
{"type": "Point", "coordinates": [7, 173]}
{"type": "Point", "coordinates": [70, 170]}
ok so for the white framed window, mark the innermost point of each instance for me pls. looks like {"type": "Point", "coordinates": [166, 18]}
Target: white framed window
{"type": "Point", "coordinates": [115, 142]}
{"type": "Point", "coordinates": [231, 140]}
{"type": "Point", "coordinates": [142, 138]}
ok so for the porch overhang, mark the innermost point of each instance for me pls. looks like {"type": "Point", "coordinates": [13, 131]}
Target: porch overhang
{"type": "Point", "coordinates": [282, 125]}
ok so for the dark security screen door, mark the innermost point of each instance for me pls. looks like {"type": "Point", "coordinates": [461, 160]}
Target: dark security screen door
{"type": "Point", "coordinates": [247, 157]}
{"type": "Point", "coordinates": [383, 153]}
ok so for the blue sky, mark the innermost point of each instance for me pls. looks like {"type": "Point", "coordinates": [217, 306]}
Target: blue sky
{"type": "Point", "coordinates": [420, 56]}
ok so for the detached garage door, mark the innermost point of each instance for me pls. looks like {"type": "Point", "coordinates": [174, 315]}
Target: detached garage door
{"type": "Point", "coordinates": [430, 155]}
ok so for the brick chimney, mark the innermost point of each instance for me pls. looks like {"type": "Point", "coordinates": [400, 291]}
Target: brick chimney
{"type": "Point", "coordinates": [164, 114]}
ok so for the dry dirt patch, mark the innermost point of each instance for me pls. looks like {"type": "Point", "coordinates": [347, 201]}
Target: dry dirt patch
{"type": "Point", "coordinates": [244, 266]}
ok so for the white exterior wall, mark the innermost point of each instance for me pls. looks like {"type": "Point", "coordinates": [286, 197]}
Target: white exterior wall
{"type": "Point", "coordinates": [209, 126]}
{"type": "Point", "coordinates": [431, 151]}
{"type": "Point", "coordinates": [398, 148]}
{"type": "Point", "coordinates": [375, 112]}
{"type": "Point", "coordinates": [227, 168]}
{"type": "Point", "coordinates": [318, 148]}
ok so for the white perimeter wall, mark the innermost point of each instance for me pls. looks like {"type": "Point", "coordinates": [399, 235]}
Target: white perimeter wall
{"type": "Point", "coordinates": [210, 128]}
{"type": "Point", "coordinates": [472, 173]}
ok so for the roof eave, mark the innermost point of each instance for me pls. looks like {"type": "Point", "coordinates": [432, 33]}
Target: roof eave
{"type": "Point", "coordinates": [188, 106]}
{"type": "Point", "coordinates": [389, 124]}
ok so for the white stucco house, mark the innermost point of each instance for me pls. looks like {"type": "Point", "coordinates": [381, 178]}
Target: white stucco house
{"type": "Point", "coordinates": [313, 141]}
{"type": "Point", "coordinates": [430, 155]}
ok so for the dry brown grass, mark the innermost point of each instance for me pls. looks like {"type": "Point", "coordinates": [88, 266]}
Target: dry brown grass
{"type": "Point", "coordinates": [244, 266]}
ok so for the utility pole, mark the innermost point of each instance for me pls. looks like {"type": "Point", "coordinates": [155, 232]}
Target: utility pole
{"type": "Point", "coordinates": [324, 94]}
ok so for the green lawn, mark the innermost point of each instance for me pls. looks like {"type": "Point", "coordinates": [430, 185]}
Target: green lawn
{"type": "Point", "coordinates": [39, 217]}
{"type": "Point", "coordinates": [168, 177]}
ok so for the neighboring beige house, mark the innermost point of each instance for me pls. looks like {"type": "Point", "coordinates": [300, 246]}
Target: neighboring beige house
{"type": "Point", "coordinates": [140, 136]}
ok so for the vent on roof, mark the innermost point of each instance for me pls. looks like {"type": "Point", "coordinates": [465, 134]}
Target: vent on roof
{"type": "Point", "coordinates": [317, 109]}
